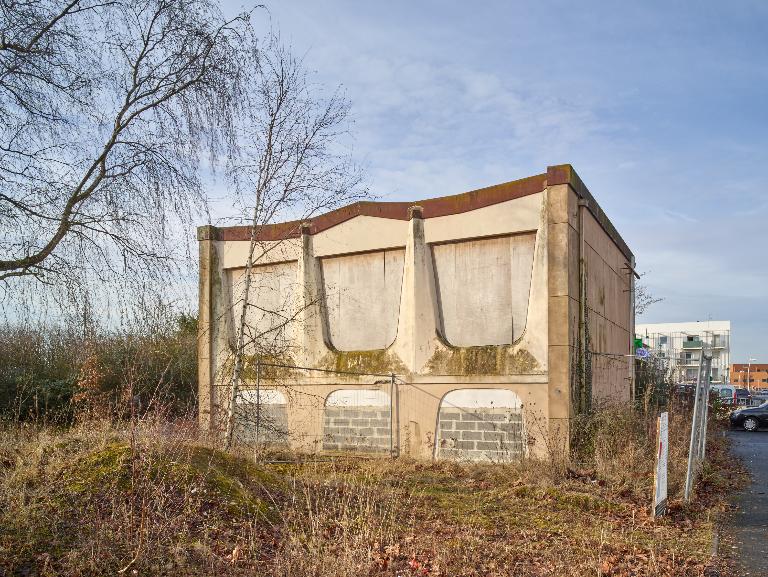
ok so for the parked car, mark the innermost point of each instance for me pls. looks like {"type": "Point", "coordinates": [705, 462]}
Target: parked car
{"type": "Point", "coordinates": [731, 395]}
{"type": "Point", "coordinates": [742, 396]}
{"type": "Point", "coordinates": [750, 418]}
{"type": "Point", "coordinates": [724, 392]}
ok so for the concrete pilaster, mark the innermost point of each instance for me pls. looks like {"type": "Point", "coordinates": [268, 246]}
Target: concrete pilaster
{"type": "Point", "coordinates": [215, 330]}
{"type": "Point", "coordinates": [563, 269]}
{"type": "Point", "coordinates": [417, 338]}
{"type": "Point", "coordinates": [311, 329]}
{"type": "Point", "coordinates": [204, 327]}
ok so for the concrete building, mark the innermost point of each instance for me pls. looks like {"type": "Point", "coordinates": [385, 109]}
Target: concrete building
{"type": "Point", "coordinates": [681, 345]}
{"type": "Point", "coordinates": [750, 375]}
{"type": "Point", "coordinates": [479, 303]}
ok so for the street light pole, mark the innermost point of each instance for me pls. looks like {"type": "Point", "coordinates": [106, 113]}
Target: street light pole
{"type": "Point", "coordinates": [749, 366]}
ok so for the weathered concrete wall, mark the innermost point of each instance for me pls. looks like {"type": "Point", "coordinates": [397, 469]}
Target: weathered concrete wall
{"type": "Point", "coordinates": [608, 292]}
{"type": "Point", "coordinates": [588, 262]}
{"type": "Point", "coordinates": [437, 294]}
{"type": "Point", "coordinates": [483, 288]}
{"type": "Point", "coordinates": [362, 295]}
{"type": "Point", "coordinates": [321, 416]}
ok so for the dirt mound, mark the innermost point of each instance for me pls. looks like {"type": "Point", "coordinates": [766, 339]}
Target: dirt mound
{"type": "Point", "coordinates": [76, 506]}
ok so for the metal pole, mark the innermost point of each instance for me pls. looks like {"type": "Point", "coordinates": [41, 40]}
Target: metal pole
{"type": "Point", "coordinates": [749, 366]}
{"type": "Point", "coordinates": [693, 446]}
{"type": "Point", "coordinates": [392, 416]}
{"type": "Point", "coordinates": [230, 425]}
{"type": "Point", "coordinates": [395, 415]}
{"type": "Point", "coordinates": [258, 399]}
{"type": "Point", "coordinates": [397, 412]}
{"type": "Point", "coordinates": [708, 376]}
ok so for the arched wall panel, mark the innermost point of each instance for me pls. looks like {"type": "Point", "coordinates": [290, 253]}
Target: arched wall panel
{"type": "Point", "coordinates": [273, 296]}
{"type": "Point", "coordinates": [268, 425]}
{"type": "Point", "coordinates": [483, 289]}
{"type": "Point", "coordinates": [362, 295]}
{"type": "Point", "coordinates": [480, 425]}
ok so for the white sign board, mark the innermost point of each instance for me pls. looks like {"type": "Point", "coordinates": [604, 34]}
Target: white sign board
{"type": "Point", "coordinates": [662, 456]}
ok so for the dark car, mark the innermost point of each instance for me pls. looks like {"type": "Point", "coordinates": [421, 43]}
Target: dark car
{"type": "Point", "coordinates": [752, 418]}
{"type": "Point", "coordinates": [742, 396]}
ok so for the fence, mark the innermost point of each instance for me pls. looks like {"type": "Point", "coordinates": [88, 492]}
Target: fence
{"type": "Point", "coordinates": [288, 408]}
{"type": "Point", "coordinates": [699, 417]}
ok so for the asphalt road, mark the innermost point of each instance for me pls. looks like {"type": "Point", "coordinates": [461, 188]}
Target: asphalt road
{"type": "Point", "coordinates": [748, 527]}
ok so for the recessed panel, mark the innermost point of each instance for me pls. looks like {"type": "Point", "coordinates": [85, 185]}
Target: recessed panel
{"type": "Point", "coordinates": [362, 295]}
{"type": "Point", "coordinates": [483, 287]}
{"type": "Point", "coordinates": [480, 425]}
{"type": "Point", "coordinates": [271, 305]}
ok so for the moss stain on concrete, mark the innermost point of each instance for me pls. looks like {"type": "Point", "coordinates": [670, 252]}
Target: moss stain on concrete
{"type": "Point", "coordinates": [273, 367]}
{"type": "Point", "coordinates": [377, 361]}
{"type": "Point", "coordinates": [483, 360]}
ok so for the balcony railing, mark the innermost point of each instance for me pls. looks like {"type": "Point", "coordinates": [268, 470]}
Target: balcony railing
{"type": "Point", "coordinates": [697, 344]}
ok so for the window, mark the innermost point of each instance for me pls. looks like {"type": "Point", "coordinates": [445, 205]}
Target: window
{"type": "Point", "coordinates": [663, 340]}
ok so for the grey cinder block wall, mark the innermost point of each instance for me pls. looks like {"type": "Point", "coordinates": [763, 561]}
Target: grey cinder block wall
{"type": "Point", "coordinates": [360, 428]}
{"type": "Point", "coordinates": [486, 434]}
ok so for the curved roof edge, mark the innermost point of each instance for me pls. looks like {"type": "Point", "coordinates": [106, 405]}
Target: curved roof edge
{"type": "Point", "coordinates": [431, 208]}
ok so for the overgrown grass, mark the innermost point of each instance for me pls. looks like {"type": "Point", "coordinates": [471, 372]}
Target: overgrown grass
{"type": "Point", "coordinates": [154, 499]}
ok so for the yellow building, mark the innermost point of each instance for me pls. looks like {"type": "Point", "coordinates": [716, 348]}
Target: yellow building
{"type": "Point", "coordinates": [466, 316]}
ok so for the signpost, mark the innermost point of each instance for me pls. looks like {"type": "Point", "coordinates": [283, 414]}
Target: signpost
{"type": "Point", "coordinates": [662, 456]}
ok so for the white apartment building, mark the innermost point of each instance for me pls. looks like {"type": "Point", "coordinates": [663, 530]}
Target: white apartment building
{"type": "Point", "coordinates": [681, 345]}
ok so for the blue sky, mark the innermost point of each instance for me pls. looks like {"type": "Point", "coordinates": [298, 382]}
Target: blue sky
{"type": "Point", "coordinates": [662, 108]}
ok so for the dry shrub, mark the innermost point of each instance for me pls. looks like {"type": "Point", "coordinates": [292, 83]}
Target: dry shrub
{"type": "Point", "coordinates": [341, 522]}
{"type": "Point", "coordinates": [618, 444]}
{"type": "Point", "coordinates": [54, 374]}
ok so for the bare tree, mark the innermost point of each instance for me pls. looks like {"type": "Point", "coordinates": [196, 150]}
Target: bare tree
{"type": "Point", "coordinates": [106, 107]}
{"type": "Point", "coordinates": [290, 165]}
{"type": "Point", "coordinates": [643, 297]}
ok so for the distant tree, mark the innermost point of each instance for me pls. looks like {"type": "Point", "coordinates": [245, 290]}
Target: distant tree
{"type": "Point", "coordinates": [106, 107]}
{"type": "Point", "coordinates": [643, 297]}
